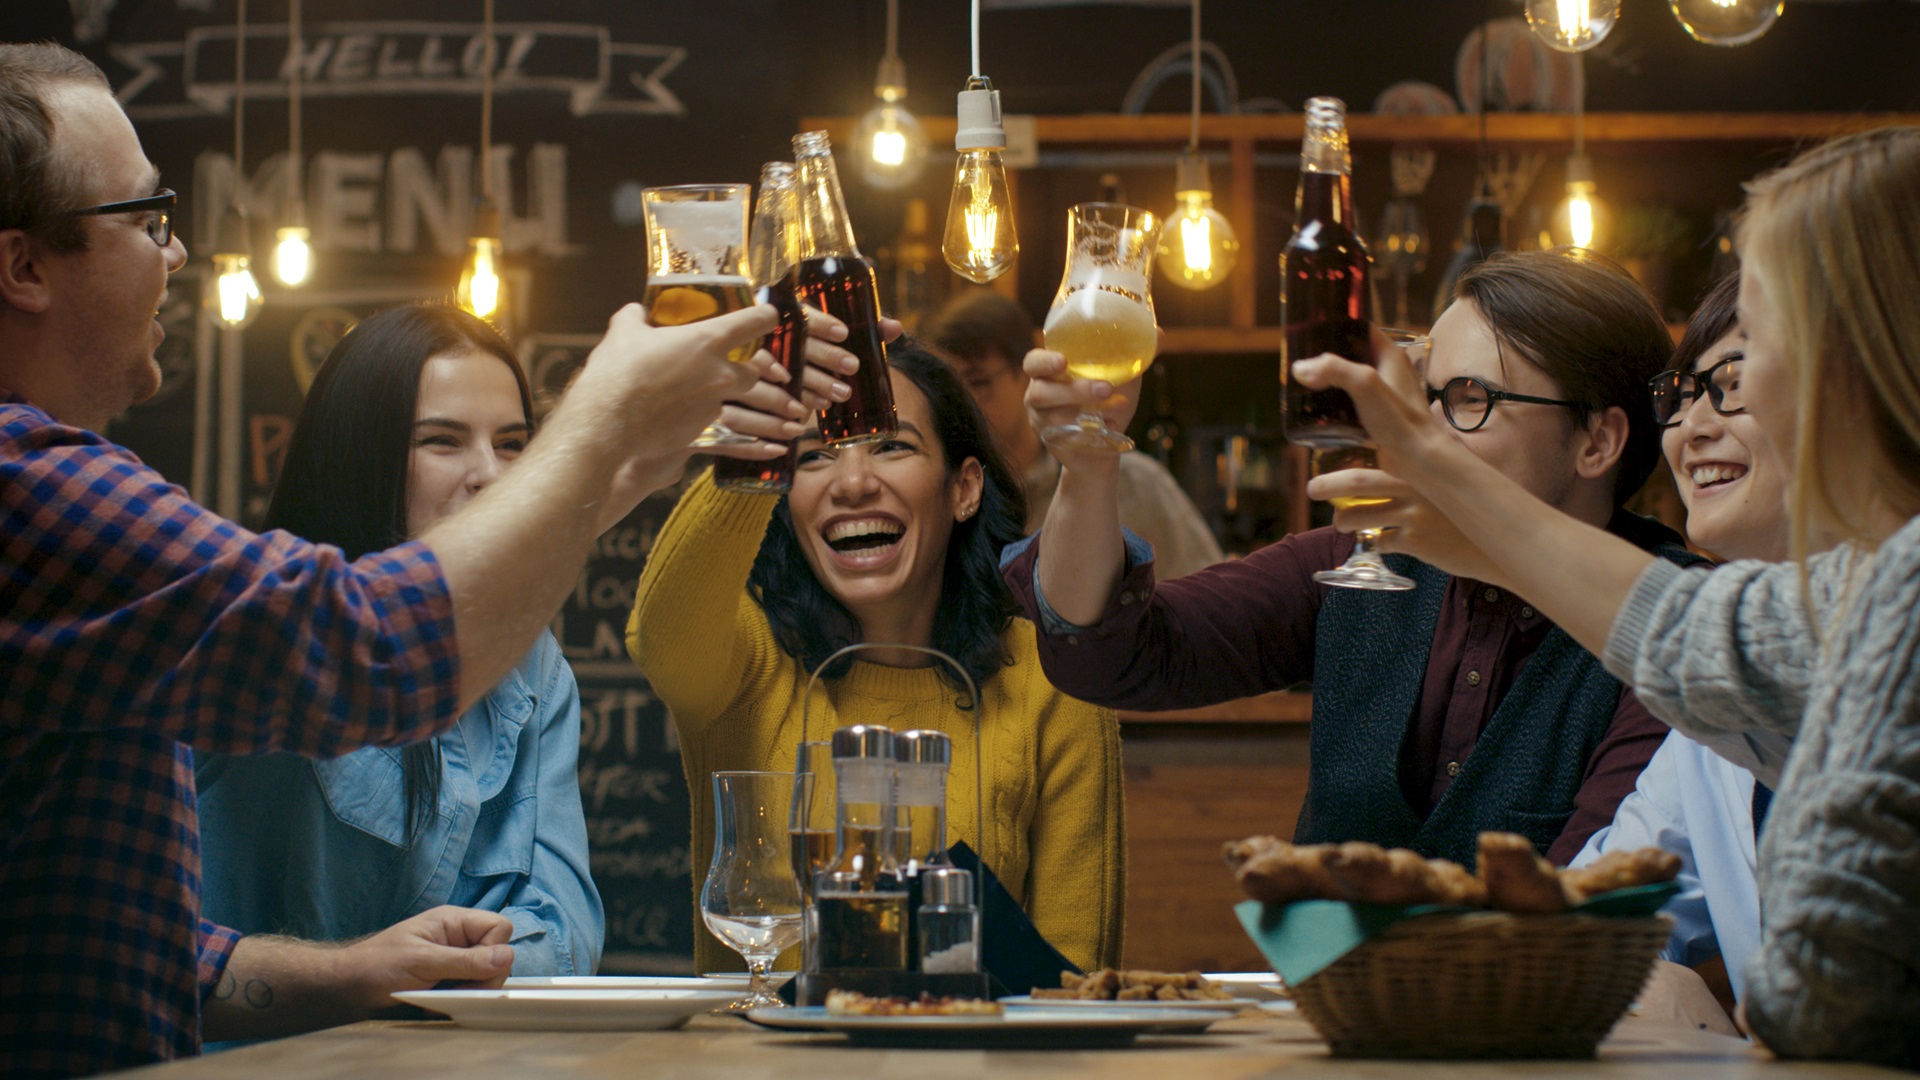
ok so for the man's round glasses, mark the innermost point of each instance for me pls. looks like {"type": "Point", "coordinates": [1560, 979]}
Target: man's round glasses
{"type": "Point", "coordinates": [1674, 392]}
{"type": "Point", "coordinates": [1467, 402]}
{"type": "Point", "coordinates": [157, 208]}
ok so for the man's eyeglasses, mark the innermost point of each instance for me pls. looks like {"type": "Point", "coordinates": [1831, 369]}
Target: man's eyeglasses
{"type": "Point", "coordinates": [157, 207]}
{"type": "Point", "coordinates": [1467, 402]}
{"type": "Point", "coordinates": [1674, 392]}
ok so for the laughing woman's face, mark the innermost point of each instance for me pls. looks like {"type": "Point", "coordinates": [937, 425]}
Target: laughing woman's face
{"type": "Point", "coordinates": [1730, 476]}
{"type": "Point", "coordinates": [874, 520]}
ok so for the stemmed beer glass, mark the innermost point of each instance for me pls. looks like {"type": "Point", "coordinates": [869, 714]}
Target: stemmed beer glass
{"type": "Point", "coordinates": [1102, 317]}
{"type": "Point", "coordinates": [697, 267]}
{"type": "Point", "coordinates": [751, 900]}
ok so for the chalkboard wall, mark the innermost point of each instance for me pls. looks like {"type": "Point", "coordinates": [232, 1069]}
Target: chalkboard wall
{"type": "Point", "coordinates": [598, 98]}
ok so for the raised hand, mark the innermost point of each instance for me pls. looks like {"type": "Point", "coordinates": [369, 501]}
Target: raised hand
{"type": "Point", "coordinates": [1056, 398]}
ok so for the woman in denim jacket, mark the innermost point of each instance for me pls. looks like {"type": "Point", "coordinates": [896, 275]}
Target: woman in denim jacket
{"type": "Point", "coordinates": [414, 412]}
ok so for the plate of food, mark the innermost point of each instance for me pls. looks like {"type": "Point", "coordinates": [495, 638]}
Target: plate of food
{"type": "Point", "coordinates": [563, 1009]}
{"type": "Point", "coordinates": [971, 1024]}
{"type": "Point", "coordinates": [1154, 989]}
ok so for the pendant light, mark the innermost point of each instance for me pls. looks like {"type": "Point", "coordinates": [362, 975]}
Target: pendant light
{"type": "Point", "coordinates": [233, 298]}
{"type": "Point", "coordinates": [482, 290]}
{"type": "Point", "coordinates": [1572, 25]}
{"type": "Point", "coordinates": [892, 146]}
{"type": "Point", "coordinates": [980, 243]}
{"type": "Point", "coordinates": [1580, 220]}
{"type": "Point", "coordinates": [292, 255]}
{"type": "Point", "coordinates": [1197, 244]}
{"type": "Point", "coordinates": [1726, 22]}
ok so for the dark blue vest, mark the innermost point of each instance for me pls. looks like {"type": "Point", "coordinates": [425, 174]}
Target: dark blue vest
{"type": "Point", "coordinates": [1370, 659]}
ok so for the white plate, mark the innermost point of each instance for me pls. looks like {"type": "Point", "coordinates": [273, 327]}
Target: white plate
{"type": "Point", "coordinates": [569, 1010]}
{"type": "Point", "coordinates": [621, 982]}
{"type": "Point", "coordinates": [1025, 1001]}
{"type": "Point", "coordinates": [1031, 1027]}
{"type": "Point", "coordinates": [741, 978]}
{"type": "Point", "coordinates": [1250, 984]}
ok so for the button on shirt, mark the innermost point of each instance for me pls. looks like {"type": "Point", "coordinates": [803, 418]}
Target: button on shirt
{"type": "Point", "coordinates": [135, 624]}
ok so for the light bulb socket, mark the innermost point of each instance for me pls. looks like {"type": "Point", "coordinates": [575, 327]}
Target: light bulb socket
{"type": "Point", "coordinates": [486, 220]}
{"type": "Point", "coordinates": [233, 237]}
{"type": "Point", "coordinates": [890, 84]}
{"type": "Point", "coordinates": [293, 214]}
{"type": "Point", "coordinates": [1192, 175]}
{"type": "Point", "coordinates": [1579, 169]}
{"type": "Point", "coordinates": [979, 118]}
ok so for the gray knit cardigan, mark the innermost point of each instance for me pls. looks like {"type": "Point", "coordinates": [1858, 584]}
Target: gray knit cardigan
{"type": "Point", "coordinates": [1729, 655]}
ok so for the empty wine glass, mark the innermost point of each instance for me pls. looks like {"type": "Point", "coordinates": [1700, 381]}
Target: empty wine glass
{"type": "Point", "coordinates": [1102, 317]}
{"type": "Point", "coordinates": [751, 900]}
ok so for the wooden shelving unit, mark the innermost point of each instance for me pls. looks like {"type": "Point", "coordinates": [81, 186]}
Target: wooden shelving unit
{"type": "Point", "coordinates": [1243, 134]}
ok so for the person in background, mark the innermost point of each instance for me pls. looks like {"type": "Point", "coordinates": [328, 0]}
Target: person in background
{"type": "Point", "coordinates": [137, 627]}
{"type": "Point", "coordinates": [1690, 800]}
{"type": "Point", "coordinates": [744, 595]}
{"type": "Point", "coordinates": [1819, 649]}
{"type": "Point", "coordinates": [987, 335]}
{"type": "Point", "coordinates": [1440, 712]}
{"type": "Point", "coordinates": [414, 413]}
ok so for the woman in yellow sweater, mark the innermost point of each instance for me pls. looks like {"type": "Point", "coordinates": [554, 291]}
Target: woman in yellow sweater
{"type": "Point", "coordinates": [894, 541]}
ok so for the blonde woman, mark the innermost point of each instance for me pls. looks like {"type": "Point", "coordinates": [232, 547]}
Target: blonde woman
{"type": "Point", "coordinates": [1825, 648]}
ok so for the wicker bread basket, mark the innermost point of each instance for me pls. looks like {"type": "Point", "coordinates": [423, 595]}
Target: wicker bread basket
{"type": "Point", "coordinates": [1483, 985]}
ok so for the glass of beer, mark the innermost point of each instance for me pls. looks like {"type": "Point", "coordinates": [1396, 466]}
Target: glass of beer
{"type": "Point", "coordinates": [697, 266]}
{"type": "Point", "coordinates": [1102, 317]}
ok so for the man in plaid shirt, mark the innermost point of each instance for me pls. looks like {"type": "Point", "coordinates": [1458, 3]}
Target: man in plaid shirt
{"type": "Point", "coordinates": [136, 626]}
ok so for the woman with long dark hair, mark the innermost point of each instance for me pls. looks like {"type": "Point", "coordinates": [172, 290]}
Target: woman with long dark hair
{"type": "Point", "coordinates": [413, 413]}
{"type": "Point", "coordinates": [893, 542]}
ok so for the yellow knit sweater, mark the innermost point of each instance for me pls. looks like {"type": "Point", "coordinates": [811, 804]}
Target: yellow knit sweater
{"type": "Point", "coordinates": [1051, 764]}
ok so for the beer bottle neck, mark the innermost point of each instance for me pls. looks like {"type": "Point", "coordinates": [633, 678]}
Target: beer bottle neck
{"type": "Point", "coordinates": [1324, 196]}
{"type": "Point", "coordinates": [825, 228]}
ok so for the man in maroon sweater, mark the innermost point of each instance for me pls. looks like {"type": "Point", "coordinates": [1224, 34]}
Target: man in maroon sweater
{"type": "Point", "coordinates": [1491, 717]}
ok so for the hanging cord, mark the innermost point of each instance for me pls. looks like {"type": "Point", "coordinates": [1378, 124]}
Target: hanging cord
{"type": "Point", "coordinates": [239, 92]}
{"type": "Point", "coordinates": [976, 38]}
{"type": "Point", "coordinates": [1193, 134]}
{"type": "Point", "coordinates": [893, 33]}
{"type": "Point", "coordinates": [1579, 103]}
{"type": "Point", "coordinates": [1486, 94]}
{"type": "Point", "coordinates": [486, 108]}
{"type": "Point", "coordinates": [293, 98]}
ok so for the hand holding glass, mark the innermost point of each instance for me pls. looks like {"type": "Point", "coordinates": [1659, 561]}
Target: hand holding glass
{"type": "Point", "coordinates": [1365, 568]}
{"type": "Point", "coordinates": [750, 900]}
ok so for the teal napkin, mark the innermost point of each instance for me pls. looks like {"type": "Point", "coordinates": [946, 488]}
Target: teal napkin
{"type": "Point", "coordinates": [1302, 938]}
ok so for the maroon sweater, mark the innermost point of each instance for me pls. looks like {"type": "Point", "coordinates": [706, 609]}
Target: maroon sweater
{"type": "Point", "coordinates": [1247, 627]}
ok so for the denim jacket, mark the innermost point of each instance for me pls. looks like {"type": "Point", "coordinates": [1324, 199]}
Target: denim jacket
{"type": "Point", "coordinates": [317, 848]}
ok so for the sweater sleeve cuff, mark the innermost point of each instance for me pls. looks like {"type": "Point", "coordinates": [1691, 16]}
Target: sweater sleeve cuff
{"type": "Point", "coordinates": [1137, 577]}
{"type": "Point", "coordinates": [1634, 624]}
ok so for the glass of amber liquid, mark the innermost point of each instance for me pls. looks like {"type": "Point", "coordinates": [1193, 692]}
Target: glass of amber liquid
{"type": "Point", "coordinates": [810, 829]}
{"type": "Point", "coordinates": [1365, 568]}
{"type": "Point", "coordinates": [697, 266]}
{"type": "Point", "coordinates": [1102, 317]}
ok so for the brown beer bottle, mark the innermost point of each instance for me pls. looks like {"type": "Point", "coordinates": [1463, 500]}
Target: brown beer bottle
{"type": "Point", "coordinates": [1325, 295]}
{"type": "Point", "coordinates": [835, 278]}
{"type": "Point", "coordinates": [772, 251]}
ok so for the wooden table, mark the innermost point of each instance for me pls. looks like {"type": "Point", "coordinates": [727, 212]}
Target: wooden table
{"type": "Point", "coordinates": [727, 1049]}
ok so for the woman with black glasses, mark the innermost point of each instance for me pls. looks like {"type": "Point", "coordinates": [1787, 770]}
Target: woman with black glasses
{"type": "Point", "coordinates": [1491, 717]}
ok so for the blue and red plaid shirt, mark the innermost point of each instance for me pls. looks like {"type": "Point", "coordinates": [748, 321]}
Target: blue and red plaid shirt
{"type": "Point", "coordinates": [136, 626]}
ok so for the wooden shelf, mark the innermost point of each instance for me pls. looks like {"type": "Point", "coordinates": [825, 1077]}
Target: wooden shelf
{"type": "Point", "coordinates": [1504, 128]}
{"type": "Point", "coordinates": [1279, 707]}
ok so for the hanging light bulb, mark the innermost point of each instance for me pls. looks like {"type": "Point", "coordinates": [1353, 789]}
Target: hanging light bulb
{"type": "Point", "coordinates": [1581, 220]}
{"type": "Point", "coordinates": [1197, 244]}
{"type": "Point", "coordinates": [292, 254]}
{"type": "Point", "coordinates": [482, 290]}
{"type": "Point", "coordinates": [1726, 22]}
{"type": "Point", "coordinates": [1572, 25]}
{"type": "Point", "coordinates": [233, 298]}
{"type": "Point", "coordinates": [980, 243]}
{"type": "Point", "coordinates": [893, 148]}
